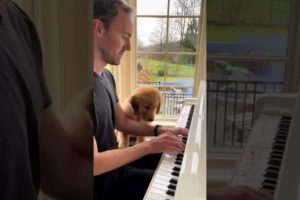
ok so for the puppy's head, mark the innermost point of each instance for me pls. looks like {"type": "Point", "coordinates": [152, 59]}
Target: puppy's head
{"type": "Point", "coordinates": [146, 102]}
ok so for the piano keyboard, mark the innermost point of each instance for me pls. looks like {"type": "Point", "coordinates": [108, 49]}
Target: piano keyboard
{"type": "Point", "coordinates": [260, 165]}
{"type": "Point", "coordinates": [164, 183]}
{"type": "Point", "coordinates": [175, 171]}
{"type": "Point", "coordinates": [275, 157]}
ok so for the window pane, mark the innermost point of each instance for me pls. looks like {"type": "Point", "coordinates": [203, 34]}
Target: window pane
{"type": "Point", "coordinates": [152, 7]}
{"type": "Point", "coordinates": [185, 7]}
{"type": "Point", "coordinates": [250, 70]}
{"type": "Point", "coordinates": [250, 41]}
{"type": "Point", "coordinates": [183, 34]}
{"type": "Point", "coordinates": [180, 70]}
{"type": "Point", "coordinates": [244, 11]}
{"type": "Point", "coordinates": [151, 34]}
{"type": "Point", "coordinates": [150, 68]}
{"type": "Point", "coordinates": [252, 28]}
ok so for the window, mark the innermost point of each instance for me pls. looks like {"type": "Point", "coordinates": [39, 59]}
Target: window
{"type": "Point", "coordinates": [247, 55]}
{"type": "Point", "coordinates": [167, 48]}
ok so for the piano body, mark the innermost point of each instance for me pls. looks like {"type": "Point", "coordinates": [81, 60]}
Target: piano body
{"type": "Point", "coordinates": [270, 161]}
{"type": "Point", "coordinates": [183, 176]}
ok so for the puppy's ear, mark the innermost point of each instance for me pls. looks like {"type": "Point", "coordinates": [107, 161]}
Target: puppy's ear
{"type": "Point", "coordinates": [135, 103]}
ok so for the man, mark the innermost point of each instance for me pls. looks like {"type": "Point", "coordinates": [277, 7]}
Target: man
{"type": "Point", "coordinates": [116, 177]}
{"type": "Point", "coordinates": [112, 29]}
{"type": "Point", "coordinates": [34, 147]}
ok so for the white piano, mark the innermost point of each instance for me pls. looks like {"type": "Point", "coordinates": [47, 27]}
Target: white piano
{"type": "Point", "coordinates": [271, 161]}
{"type": "Point", "coordinates": [183, 176]}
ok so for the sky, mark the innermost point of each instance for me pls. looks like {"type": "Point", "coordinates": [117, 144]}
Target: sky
{"type": "Point", "coordinates": [146, 26]}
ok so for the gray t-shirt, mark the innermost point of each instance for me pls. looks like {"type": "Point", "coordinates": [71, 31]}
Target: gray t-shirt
{"type": "Point", "coordinates": [105, 100]}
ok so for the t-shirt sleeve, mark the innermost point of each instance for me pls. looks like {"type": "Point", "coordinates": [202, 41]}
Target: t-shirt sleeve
{"type": "Point", "coordinates": [112, 80]}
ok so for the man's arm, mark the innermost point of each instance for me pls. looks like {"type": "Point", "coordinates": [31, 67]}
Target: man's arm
{"type": "Point", "coordinates": [109, 160]}
{"type": "Point", "coordinates": [65, 174]}
{"type": "Point", "coordinates": [127, 125]}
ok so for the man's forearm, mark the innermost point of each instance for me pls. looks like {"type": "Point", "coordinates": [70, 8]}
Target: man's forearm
{"type": "Point", "coordinates": [109, 160]}
{"type": "Point", "coordinates": [133, 127]}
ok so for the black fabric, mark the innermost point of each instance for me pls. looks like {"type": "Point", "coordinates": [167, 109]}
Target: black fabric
{"type": "Point", "coordinates": [23, 96]}
{"type": "Point", "coordinates": [127, 182]}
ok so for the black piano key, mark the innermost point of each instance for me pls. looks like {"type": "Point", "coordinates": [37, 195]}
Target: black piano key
{"type": "Point", "coordinates": [269, 188]}
{"type": "Point", "coordinates": [276, 154]}
{"type": "Point", "coordinates": [269, 182]}
{"type": "Point", "coordinates": [283, 126]}
{"type": "Point", "coordinates": [273, 168]}
{"type": "Point", "coordinates": [280, 138]}
{"type": "Point", "coordinates": [180, 155]}
{"type": "Point", "coordinates": [283, 142]}
{"type": "Point", "coordinates": [178, 162]}
{"type": "Point", "coordinates": [172, 186]}
{"type": "Point", "coordinates": [275, 157]}
{"type": "Point", "coordinates": [174, 181]}
{"type": "Point", "coordinates": [274, 162]}
{"type": "Point", "coordinates": [175, 174]}
{"type": "Point", "coordinates": [282, 134]}
{"type": "Point", "coordinates": [179, 159]}
{"type": "Point", "coordinates": [189, 119]}
{"type": "Point", "coordinates": [170, 192]}
{"type": "Point", "coordinates": [176, 169]}
{"type": "Point", "coordinates": [278, 147]}
{"type": "Point", "coordinates": [272, 175]}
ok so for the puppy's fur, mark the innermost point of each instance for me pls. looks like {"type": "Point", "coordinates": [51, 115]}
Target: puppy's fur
{"type": "Point", "coordinates": [141, 106]}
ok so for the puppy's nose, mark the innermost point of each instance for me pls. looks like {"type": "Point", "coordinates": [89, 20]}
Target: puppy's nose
{"type": "Point", "coordinates": [151, 119]}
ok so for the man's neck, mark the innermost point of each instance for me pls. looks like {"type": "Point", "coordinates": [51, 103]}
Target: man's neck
{"type": "Point", "coordinates": [99, 66]}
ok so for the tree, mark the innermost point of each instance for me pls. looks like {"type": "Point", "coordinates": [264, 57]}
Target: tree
{"type": "Point", "coordinates": [188, 27]}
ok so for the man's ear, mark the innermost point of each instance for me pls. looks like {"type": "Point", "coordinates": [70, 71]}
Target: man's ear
{"type": "Point", "coordinates": [135, 104]}
{"type": "Point", "coordinates": [98, 27]}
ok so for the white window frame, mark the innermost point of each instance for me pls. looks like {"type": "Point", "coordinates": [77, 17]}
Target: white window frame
{"type": "Point", "coordinates": [125, 74]}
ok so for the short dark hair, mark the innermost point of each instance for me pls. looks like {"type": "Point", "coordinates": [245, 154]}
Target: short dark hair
{"type": "Point", "coordinates": [107, 10]}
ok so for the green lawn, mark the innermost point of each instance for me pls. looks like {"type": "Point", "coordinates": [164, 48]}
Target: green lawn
{"type": "Point", "coordinates": [224, 33]}
{"type": "Point", "coordinates": [229, 19]}
{"type": "Point", "coordinates": [174, 71]}
{"type": "Point", "coordinates": [253, 11]}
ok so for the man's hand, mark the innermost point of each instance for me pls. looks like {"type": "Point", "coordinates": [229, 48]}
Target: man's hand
{"type": "Point", "coordinates": [173, 130]}
{"type": "Point", "coordinates": [166, 142]}
{"type": "Point", "coordinates": [238, 193]}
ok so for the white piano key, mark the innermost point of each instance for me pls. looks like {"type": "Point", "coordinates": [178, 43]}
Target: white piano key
{"type": "Point", "coordinates": [163, 173]}
{"type": "Point", "coordinates": [162, 177]}
{"type": "Point", "coordinates": [156, 191]}
{"type": "Point", "coordinates": [162, 182]}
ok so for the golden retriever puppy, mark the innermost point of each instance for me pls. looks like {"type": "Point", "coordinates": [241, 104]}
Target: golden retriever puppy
{"type": "Point", "coordinates": [141, 106]}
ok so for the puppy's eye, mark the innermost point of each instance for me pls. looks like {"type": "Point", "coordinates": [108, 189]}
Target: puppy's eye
{"type": "Point", "coordinates": [147, 107]}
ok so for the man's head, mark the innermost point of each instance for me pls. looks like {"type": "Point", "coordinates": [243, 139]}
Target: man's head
{"type": "Point", "coordinates": [112, 29]}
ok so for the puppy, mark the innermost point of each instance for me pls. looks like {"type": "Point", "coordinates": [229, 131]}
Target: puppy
{"type": "Point", "coordinates": [141, 106]}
